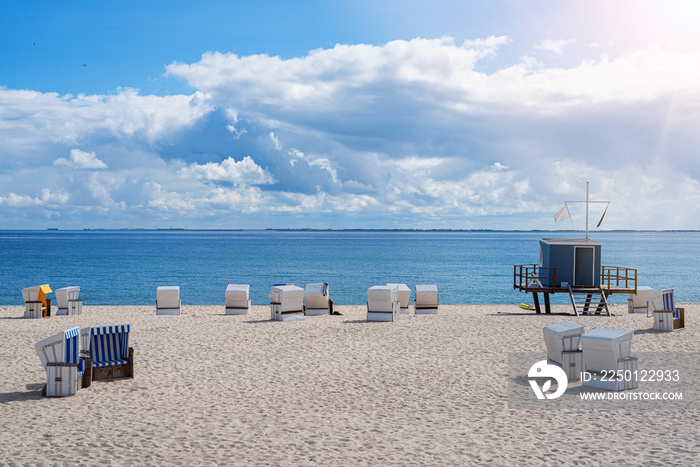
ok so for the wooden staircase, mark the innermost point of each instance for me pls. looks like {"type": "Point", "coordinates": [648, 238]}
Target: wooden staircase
{"type": "Point", "coordinates": [581, 298]}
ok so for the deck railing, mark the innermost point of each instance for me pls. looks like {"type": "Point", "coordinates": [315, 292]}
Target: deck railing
{"type": "Point", "coordinates": [523, 273]}
{"type": "Point", "coordinates": [618, 277]}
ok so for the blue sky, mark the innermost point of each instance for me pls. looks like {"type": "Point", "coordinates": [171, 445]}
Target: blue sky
{"type": "Point", "coordinates": [348, 114]}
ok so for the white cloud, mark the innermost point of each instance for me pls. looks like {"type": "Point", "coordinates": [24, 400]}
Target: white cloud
{"type": "Point", "coordinates": [245, 171]}
{"type": "Point", "coordinates": [46, 198]}
{"type": "Point", "coordinates": [554, 46]}
{"type": "Point", "coordinates": [275, 140]}
{"type": "Point", "coordinates": [81, 160]}
{"type": "Point", "coordinates": [407, 131]}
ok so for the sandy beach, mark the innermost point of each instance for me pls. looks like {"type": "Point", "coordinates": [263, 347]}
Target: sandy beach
{"type": "Point", "coordinates": [212, 389]}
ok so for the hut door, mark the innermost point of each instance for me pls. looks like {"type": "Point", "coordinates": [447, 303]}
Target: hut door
{"type": "Point", "coordinates": [584, 266]}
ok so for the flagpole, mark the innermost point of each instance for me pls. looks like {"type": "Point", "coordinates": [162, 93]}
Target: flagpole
{"type": "Point", "coordinates": [586, 210]}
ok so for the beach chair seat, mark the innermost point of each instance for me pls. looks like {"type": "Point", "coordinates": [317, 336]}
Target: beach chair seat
{"type": "Point", "coordinates": [383, 303]}
{"type": "Point", "coordinates": [168, 300]}
{"type": "Point", "coordinates": [108, 346]}
{"type": "Point", "coordinates": [426, 301]}
{"type": "Point", "coordinates": [67, 301]}
{"type": "Point", "coordinates": [404, 295]}
{"type": "Point", "coordinates": [36, 305]}
{"type": "Point", "coordinates": [237, 299]}
{"type": "Point", "coordinates": [562, 342]}
{"type": "Point", "coordinates": [66, 370]}
{"type": "Point", "coordinates": [608, 352]}
{"type": "Point", "coordinates": [317, 299]}
{"type": "Point", "coordinates": [662, 307]}
{"type": "Point", "coordinates": [286, 302]}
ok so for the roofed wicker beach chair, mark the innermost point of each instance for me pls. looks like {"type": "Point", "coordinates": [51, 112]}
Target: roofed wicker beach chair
{"type": "Point", "coordinates": [286, 302]}
{"type": "Point", "coordinates": [317, 299]}
{"type": "Point", "coordinates": [36, 305]}
{"type": "Point", "coordinates": [662, 306]}
{"type": "Point", "coordinates": [168, 300]}
{"type": "Point", "coordinates": [425, 301]}
{"type": "Point", "coordinates": [108, 346]}
{"type": "Point", "coordinates": [562, 342]}
{"type": "Point", "coordinates": [404, 295]}
{"type": "Point", "coordinates": [237, 299]}
{"type": "Point", "coordinates": [609, 352]}
{"type": "Point", "coordinates": [67, 301]}
{"type": "Point", "coordinates": [383, 303]}
{"type": "Point", "coordinates": [65, 369]}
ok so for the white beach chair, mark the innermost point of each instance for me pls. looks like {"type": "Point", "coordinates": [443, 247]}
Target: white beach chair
{"type": "Point", "coordinates": [562, 341]}
{"type": "Point", "coordinates": [286, 302]}
{"type": "Point", "coordinates": [608, 352]}
{"type": "Point", "coordinates": [108, 346]}
{"type": "Point", "coordinates": [237, 299]}
{"type": "Point", "coordinates": [404, 296]}
{"type": "Point", "coordinates": [662, 306]}
{"type": "Point", "coordinates": [36, 305]}
{"type": "Point", "coordinates": [425, 301]}
{"type": "Point", "coordinates": [59, 354]}
{"type": "Point", "coordinates": [67, 301]}
{"type": "Point", "coordinates": [383, 303]}
{"type": "Point", "coordinates": [168, 300]}
{"type": "Point", "coordinates": [637, 302]}
{"type": "Point", "coordinates": [317, 300]}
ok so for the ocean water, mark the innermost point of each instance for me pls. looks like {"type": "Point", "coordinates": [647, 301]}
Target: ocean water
{"type": "Point", "coordinates": [125, 267]}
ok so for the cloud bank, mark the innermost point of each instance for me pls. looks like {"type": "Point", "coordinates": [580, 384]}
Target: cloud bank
{"type": "Point", "coordinates": [408, 134]}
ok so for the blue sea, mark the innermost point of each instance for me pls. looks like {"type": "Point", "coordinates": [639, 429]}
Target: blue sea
{"type": "Point", "coordinates": [469, 267]}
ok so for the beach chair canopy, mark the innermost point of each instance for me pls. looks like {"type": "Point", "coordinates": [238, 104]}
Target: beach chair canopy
{"type": "Point", "coordinates": [62, 347]}
{"type": "Point", "coordinates": [168, 296]}
{"type": "Point", "coordinates": [319, 288]}
{"type": "Point", "coordinates": [426, 294]}
{"type": "Point", "coordinates": [289, 296]}
{"type": "Point", "coordinates": [66, 293]}
{"type": "Point", "coordinates": [603, 347]}
{"type": "Point", "coordinates": [237, 294]}
{"type": "Point", "coordinates": [108, 345]}
{"type": "Point", "coordinates": [36, 294]}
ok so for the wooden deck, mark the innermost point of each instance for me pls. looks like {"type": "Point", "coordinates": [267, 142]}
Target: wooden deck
{"type": "Point", "coordinates": [531, 278]}
{"type": "Point", "coordinates": [613, 279]}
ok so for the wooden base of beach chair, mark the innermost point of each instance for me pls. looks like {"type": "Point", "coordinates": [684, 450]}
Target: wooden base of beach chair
{"type": "Point", "coordinates": [167, 311]}
{"type": "Point", "coordinates": [680, 322]}
{"type": "Point", "coordinates": [33, 310]}
{"type": "Point", "coordinates": [125, 370]}
{"type": "Point", "coordinates": [572, 364]}
{"type": "Point", "coordinates": [61, 380]}
{"type": "Point", "coordinates": [86, 379]}
{"type": "Point", "coordinates": [426, 309]}
{"type": "Point", "coordinates": [316, 311]}
{"type": "Point", "coordinates": [236, 311]}
{"type": "Point", "coordinates": [381, 316]}
{"type": "Point", "coordinates": [627, 368]}
{"type": "Point", "coordinates": [240, 310]}
{"type": "Point", "coordinates": [663, 320]}
{"type": "Point", "coordinates": [36, 309]}
{"type": "Point", "coordinates": [75, 307]}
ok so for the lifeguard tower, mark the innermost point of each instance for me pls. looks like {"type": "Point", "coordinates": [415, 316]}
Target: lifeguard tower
{"type": "Point", "coordinates": [574, 266]}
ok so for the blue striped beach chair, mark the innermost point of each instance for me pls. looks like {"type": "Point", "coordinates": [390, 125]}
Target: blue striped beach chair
{"type": "Point", "coordinates": [109, 348]}
{"type": "Point", "coordinates": [662, 306]}
{"type": "Point", "coordinates": [66, 370]}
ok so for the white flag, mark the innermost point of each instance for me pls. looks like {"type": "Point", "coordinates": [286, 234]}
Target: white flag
{"type": "Point", "coordinates": [562, 214]}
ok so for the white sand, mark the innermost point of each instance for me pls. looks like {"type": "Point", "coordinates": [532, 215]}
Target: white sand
{"type": "Point", "coordinates": [329, 390]}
